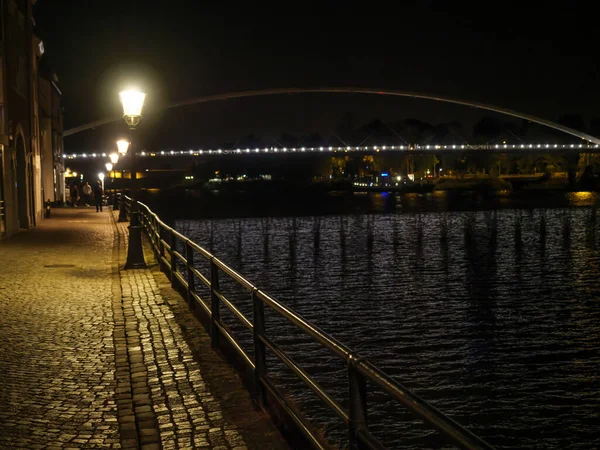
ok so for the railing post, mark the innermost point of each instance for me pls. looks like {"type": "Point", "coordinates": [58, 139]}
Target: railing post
{"type": "Point", "coordinates": [260, 360]}
{"type": "Point", "coordinates": [189, 256]}
{"type": "Point", "coordinates": [157, 237]}
{"type": "Point", "coordinates": [122, 209]}
{"type": "Point", "coordinates": [357, 405]}
{"type": "Point", "coordinates": [173, 258]}
{"type": "Point", "coordinates": [161, 249]}
{"type": "Point", "coordinates": [215, 314]}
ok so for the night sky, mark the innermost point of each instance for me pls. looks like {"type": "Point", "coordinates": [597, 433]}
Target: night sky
{"type": "Point", "coordinates": [539, 60]}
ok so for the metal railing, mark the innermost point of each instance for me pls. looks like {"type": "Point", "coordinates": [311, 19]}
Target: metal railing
{"type": "Point", "coordinates": [170, 246]}
{"type": "Point", "coordinates": [2, 217]}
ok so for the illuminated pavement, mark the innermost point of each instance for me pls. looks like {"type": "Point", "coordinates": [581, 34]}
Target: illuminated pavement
{"type": "Point", "coordinates": [94, 357]}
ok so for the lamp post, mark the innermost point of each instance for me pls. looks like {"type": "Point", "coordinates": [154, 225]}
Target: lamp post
{"type": "Point", "coordinates": [133, 102]}
{"type": "Point", "coordinates": [109, 168]}
{"type": "Point", "coordinates": [114, 159]}
{"type": "Point", "coordinates": [101, 177]}
{"type": "Point", "coordinates": [122, 147]}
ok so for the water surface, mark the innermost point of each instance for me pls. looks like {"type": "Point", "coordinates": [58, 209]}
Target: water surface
{"type": "Point", "coordinates": [492, 316]}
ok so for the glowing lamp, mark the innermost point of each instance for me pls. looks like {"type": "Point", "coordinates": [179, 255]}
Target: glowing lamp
{"type": "Point", "coordinates": [108, 166]}
{"type": "Point", "coordinates": [122, 146]}
{"type": "Point", "coordinates": [133, 102]}
{"type": "Point", "coordinates": [114, 158]}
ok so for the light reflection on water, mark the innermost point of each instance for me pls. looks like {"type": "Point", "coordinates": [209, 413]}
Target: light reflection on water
{"type": "Point", "coordinates": [493, 316]}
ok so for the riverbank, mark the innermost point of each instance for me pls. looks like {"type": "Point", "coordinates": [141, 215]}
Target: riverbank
{"type": "Point", "coordinates": [191, 204]}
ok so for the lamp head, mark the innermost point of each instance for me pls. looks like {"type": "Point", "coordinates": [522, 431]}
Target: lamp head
{"type": "Point", "coordinates": [122, 146]}
{"type": "Point", "coordinates": [133, 102]}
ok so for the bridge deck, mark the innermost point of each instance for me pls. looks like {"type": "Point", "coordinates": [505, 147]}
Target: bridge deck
{"type": "Point", "coordinates": [98, 357]}
{"type": "Point", "coordinates": [409, 148]}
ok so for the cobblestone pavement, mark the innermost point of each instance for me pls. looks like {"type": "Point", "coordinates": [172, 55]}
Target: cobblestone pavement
{"type": "Point", "coordinates": [57, 366]}
{"type": "Point", "coordinates": [92, 356]}
{"type": "Point", "coordinates": [187, 413]}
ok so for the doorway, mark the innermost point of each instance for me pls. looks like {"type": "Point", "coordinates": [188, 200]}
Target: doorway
{"type": "Point", "coordinates": [22, 184]}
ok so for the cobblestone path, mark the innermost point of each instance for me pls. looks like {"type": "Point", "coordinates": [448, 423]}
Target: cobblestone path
{"type": "Point", "coordinates": [92, 356]}
{"type": "Point", "coordinates": [57, 365]}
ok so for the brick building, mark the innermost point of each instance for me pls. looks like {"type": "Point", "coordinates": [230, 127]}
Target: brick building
{"type": "Point", "coordinates": [30, 123]}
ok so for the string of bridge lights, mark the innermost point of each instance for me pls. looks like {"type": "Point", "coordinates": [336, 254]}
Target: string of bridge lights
{"type": "Point", "coordinates": [340, 149]}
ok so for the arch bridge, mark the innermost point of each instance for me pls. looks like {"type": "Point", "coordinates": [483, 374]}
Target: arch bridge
{"type": "Point", "coordinates": [355, 90]}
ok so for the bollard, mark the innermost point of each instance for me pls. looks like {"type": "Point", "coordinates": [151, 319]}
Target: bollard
{"type": "Point", "coordinates": [135, 252]}
{"type": "Point", "coordinates": [122, 210]}
{"type": "Point", "coordinates": [48, 210]}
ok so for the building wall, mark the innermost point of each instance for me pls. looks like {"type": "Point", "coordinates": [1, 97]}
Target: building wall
{"type": "Point", "coordinates": [18, 106]}
{"type": "Point", "coordinates": [37, 197]}
{"type": "Point", "coordinates": [30, 123]}
{"type": "Point", "coordinates": [48, 188]}
{"type": "Point", "coordinates": [57, 141]}
{"type": "Point", "coordinates": [47, 155]}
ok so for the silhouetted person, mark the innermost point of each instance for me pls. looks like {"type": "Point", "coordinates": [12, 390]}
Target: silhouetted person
{"type": "Point", "coordinates": [98, 193]}
{"type": "Point", "coordinates": [87, 194]}
{"type": "Point", "coordinates": [74, 194]}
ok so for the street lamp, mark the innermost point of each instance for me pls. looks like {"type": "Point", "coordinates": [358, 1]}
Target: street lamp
{"type": "Point", "coordinates": [109, 168]}
{"type": "Point", "coordinates": [114, 158]}
{"type": "Point", "coordinates": [133, 102]}
{"type": "Point", "coordinates": [122, 146]}
{"type": "Point", "coordinates": [101, 177]}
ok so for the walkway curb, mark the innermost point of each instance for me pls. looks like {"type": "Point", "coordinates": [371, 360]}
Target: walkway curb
{"type": "Point", "coordinates": [137, 421]}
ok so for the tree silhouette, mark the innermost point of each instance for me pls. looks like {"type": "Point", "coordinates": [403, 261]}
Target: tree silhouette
{"type": "Point", "coordinates": [376, 133]}
{"type": "Point", "coordinates": [416, 131]}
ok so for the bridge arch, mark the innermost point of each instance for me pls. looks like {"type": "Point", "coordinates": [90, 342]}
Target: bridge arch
{"type": "Point", "coordinates": [351, 90]}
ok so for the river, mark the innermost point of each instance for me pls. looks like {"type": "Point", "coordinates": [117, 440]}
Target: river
{"type": "Point", "coordinates": [491, 315]}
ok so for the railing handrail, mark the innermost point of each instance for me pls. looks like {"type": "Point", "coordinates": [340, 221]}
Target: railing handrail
{"type": "Point", "coordinates": [360, 370]}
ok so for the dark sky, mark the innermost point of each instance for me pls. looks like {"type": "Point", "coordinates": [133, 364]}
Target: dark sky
{"type": "Point", "coordinates": [526, 56]}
